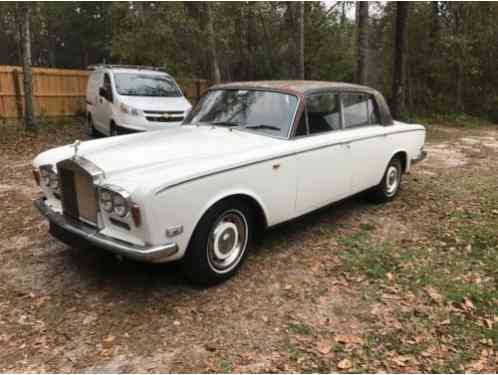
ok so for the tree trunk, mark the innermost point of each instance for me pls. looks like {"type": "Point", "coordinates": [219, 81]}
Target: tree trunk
{"type": "Point", "coordinates": [215, 70]}
{"type": "Point", "coordinates": [251, 33]}
{"type": "Point", "coordinates": [397, 100]}
{"type": "Point", "coordinates": [362, 64]}
{"type": "Point", "coordinates": [301, 40]}
{"type": "Point", "coordinates": [27, 73]}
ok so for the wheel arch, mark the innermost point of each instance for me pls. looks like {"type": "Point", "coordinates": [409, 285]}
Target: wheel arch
{"type": "Point", "coordinates": [256, 203]}
{"type": "Point", "coordinates": [403, 156]}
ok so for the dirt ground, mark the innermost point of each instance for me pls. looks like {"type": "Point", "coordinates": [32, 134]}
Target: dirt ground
{"type": "Point", "coordinates": [410, 286]}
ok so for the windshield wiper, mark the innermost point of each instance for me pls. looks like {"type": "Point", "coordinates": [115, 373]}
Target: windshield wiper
{"type": "Point", "coordinates": [263, 126]}
{"type": "Point", "coordinates": [224, 123]}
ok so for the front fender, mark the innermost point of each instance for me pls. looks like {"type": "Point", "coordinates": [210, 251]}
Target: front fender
{"type": "Point", "coordinates": [230, 193]}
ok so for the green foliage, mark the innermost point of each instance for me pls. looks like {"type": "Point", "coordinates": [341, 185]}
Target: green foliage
{"type": "Point", "coordinates": [452, 48]}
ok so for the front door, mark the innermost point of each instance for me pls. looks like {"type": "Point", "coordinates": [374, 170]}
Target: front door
{"type": "Point", "coordinates": [322, 155]}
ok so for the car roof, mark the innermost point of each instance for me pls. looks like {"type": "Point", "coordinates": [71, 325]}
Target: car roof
{"type": "Point", "coordinates": [125, 69]}
{"type": "Point", "coordinates": [302, 88]}
{"type": "Point", "coordinates": [295, 86]}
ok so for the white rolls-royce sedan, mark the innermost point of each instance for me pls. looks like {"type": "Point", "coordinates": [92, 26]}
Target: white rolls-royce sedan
{"type": "Point", "coordinates": [248, 156]}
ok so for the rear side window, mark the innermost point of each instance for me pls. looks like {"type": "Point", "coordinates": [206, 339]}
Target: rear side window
{"type": "Point", "coordinates": [323, 111]}
{"type": "Point", "coordinates": [359, 110]}
{"type": "Point", "coordinates": [373, 111]}
{"type": "Point", "coordinates": [355, 110]}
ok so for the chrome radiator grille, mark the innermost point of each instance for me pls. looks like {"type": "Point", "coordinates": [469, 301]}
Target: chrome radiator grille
{"type": "Point", "coordinates": [79, 196]}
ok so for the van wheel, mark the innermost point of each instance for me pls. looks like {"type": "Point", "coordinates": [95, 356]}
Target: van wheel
{"type": "Point", "coordinates": [113, 129]}
{"type": "Point", "coordinates": [92, 133]}
{"type": "Point", "coordinates": [219, 244]}
{"type": "Point", "coordinates": [388, 187]}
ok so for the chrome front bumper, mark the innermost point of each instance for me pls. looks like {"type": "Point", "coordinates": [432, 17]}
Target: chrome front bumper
{"type": "Point", "coordinates": [421, 157]}
{"type": "Point", "coordinates": [152, 254]}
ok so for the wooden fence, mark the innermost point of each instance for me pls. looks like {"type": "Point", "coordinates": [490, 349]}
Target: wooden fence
{"type": "Point", "coordinates": [60, 92]}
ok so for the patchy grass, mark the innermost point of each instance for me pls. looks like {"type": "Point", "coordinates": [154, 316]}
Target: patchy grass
{"type": "Point", "coordinates": [409, 286]}
{"type": "Point", "coordinates": [452, 279]}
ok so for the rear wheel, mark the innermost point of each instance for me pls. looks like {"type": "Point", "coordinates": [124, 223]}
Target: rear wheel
{"type": "Point", "coordinates": [219, 244]}
{"type": "Point", "coordinates": [388, 187]}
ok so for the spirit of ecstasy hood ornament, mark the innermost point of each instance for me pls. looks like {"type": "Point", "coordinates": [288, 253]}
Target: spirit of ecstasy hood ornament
{"type": "Point", "coordinates": [75, 145]}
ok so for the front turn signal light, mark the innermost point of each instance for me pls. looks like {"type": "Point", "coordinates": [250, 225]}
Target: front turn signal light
{"type": "Point", "coordinates": [135, 214]}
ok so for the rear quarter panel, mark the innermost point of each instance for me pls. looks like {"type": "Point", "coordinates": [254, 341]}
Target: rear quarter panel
{"type": "Point", "coordinates": [408, 138]}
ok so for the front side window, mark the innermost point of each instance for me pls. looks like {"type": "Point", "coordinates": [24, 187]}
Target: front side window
{"type": "Point", "coordinates": [255, 110]}
{"type": "Point", "coordinates": [108, 87]}
{"type": "Point", "coordinates": [323, 111]}
{"type": "Point", "coordinates": [132, 84]}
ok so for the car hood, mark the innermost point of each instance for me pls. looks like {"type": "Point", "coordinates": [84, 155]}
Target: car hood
{"type": "Point", "coordinates": [148, 103]}
{"type": "Point", "coordinates": [152, 160]}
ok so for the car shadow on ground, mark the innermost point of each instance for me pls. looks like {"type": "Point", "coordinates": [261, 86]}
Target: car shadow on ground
{"type": "Point", "coordinates": [127, 278]}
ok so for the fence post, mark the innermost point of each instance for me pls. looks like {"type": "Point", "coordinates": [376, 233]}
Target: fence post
{"type": "Point", "coordinates": [17, 92]}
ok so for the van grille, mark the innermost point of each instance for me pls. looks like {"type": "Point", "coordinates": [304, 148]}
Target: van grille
{"type": "Point", "coordinates": [79, 196]}
{"type": "Point", "coordinates": [164, 119]}
{"type": "Point", "coordinates": [164, 116]}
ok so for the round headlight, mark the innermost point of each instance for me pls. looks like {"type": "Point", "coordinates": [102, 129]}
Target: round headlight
{"type": "Point", "coordinates": [53, 181]}
{"type": "Point", "coordinates": [120, 205]}
{"type": "Point", "coordinates": [106, 201]}
{"type": "Point", "coordinates": [45, 177]}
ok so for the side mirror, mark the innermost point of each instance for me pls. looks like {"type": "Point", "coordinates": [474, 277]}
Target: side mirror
{"type": "Point", "coordinates": [103, 92]}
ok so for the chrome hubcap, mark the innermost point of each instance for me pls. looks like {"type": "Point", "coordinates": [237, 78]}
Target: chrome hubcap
{"type": "Point", "coordinates": [392, 180]}
{"type": "Point", "coordinates": [227, 241]}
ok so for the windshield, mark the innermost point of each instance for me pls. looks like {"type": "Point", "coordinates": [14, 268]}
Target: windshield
{"type": "Point", "coordinates": [262, 111]}
{"type": "Point", "coordinates": [134, 84]}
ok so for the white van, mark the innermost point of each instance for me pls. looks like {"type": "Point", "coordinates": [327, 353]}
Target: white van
{"type": "Point", "coordinates": [123, 99]}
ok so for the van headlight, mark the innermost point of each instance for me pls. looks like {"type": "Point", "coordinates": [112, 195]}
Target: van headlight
{"type": "Point", "coordinates": [125, 108]}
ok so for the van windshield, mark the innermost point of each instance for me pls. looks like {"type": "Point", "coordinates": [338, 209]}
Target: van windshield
{"type": "Point", "coordinates": [133, 84]}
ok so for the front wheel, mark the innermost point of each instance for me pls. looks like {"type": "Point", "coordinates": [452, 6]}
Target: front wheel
{"type": "Point", "coordinates": [92, 133]}
{"type": "Point", "coordinates": [219, 244]}
{"type": "Point", "coordinates": [113, 129]}
{"type": "Point", "coordinates": [388, 187]}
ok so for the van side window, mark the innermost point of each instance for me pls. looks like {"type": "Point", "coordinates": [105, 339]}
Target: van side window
{"type": "Point", "coordinates": [108, 87]}
{"type": "Point", "coordinates": [323, 113]}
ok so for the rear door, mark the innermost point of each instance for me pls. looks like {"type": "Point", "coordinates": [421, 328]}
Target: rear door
{"type": "Point", "coordinates": [322, 157]}
{"type": "Point", "coordinates": [367, 138]}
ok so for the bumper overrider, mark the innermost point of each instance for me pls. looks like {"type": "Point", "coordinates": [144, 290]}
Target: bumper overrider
{"type": "Point", "coordinates": [71, 231]}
